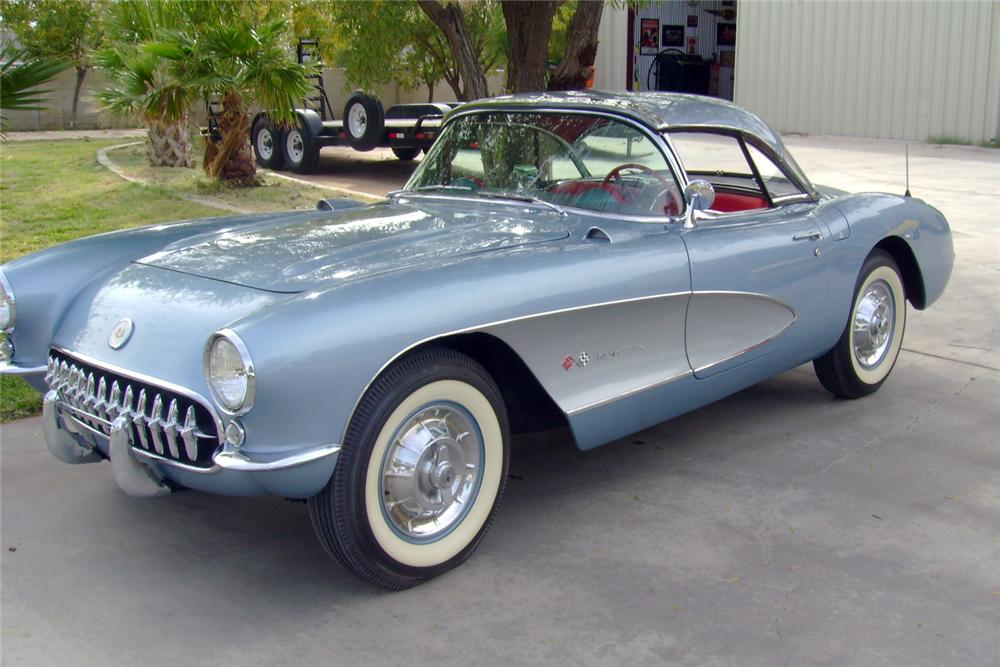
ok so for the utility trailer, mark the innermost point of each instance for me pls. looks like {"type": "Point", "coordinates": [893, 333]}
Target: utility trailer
{"type": "Point", "coordinates": [405, 128]}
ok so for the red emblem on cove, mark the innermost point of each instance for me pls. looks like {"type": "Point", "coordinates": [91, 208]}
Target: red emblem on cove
{"type": "Point", "coordinates": [568, 362]}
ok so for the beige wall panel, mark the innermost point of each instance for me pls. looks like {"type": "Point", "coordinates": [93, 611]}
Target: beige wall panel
{"type": "Point", "coordinates": [887, 69]}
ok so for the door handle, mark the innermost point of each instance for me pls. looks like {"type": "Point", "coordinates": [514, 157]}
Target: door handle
{"type": "Point", "coordinates": [808, 236]}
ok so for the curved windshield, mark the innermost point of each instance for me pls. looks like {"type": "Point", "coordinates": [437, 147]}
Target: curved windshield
{"type": "Point", "coordinates": [585, 161]}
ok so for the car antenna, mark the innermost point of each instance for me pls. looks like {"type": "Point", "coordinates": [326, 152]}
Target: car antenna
{"type": "Point", "coordinates": [906, 147]}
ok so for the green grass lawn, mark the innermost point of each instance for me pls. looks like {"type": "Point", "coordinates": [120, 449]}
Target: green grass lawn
{"type": "Point", "coordinates": [54, 191]}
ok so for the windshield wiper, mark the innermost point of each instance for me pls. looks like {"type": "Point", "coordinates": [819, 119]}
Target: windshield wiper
{"type": "Point", "coordinates": [517, 196]}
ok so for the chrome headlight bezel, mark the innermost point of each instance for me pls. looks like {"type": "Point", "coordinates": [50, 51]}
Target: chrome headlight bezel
{"type": "Point", "coordinates": [249, 373]}
{"type": "Point", "coordinates": [7, 298]}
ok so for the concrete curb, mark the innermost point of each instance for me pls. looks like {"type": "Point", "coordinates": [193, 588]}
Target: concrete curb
{"type": "Point", "coordinates": [329, 188]}
{"type": "Point", "coordinates": [105, 161]}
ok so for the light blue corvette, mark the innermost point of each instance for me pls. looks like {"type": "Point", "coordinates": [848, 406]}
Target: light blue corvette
{"type": "Point", "coordinates": [600, 261]}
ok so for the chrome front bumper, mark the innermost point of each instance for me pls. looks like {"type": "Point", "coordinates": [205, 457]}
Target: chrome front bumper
{"type": "Point", "coordinates": [93, 412]}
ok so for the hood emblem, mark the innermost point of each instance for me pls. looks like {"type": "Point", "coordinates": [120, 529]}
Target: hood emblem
{"type": "Point", "coordinates": [121, 333]}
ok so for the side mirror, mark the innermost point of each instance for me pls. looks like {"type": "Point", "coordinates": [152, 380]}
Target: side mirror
{"type": "Point", "coordinates": [698, 195]}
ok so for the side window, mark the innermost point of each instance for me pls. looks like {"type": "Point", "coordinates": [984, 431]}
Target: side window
{"type": "Point", "coordinates": [719, 159]}
{"type": "Point", "coordinates": [775, 180]}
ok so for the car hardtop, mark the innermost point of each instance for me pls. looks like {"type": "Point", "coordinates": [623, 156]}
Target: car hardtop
{"type": "Point", "coordinates": [657, 111]}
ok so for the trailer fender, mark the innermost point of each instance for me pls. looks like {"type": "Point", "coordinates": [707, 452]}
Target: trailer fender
{"type": "Point", "coordinates": [311, 121]}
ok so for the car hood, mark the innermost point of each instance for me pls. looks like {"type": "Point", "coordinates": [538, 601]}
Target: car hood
{"type": "Point", "coordinates": [296, 252]}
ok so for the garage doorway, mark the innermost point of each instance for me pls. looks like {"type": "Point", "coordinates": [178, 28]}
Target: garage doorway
{"type": "Point", "coordinates": [687, 46]}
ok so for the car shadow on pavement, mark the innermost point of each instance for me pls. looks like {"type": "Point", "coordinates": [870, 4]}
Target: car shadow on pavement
{"type": "Point", "coordinates": [264, 547]}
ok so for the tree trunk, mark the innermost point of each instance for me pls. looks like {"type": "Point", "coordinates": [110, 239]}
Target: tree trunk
{"type": "Point", "coordinates": [169, 144]}
{"type": "Point", "coordinates": [80, 73]}
{"type": "Point", "coordinates": [529, 26]}
{"type": "Point", "coordinates": [577, 65]}
{"type": "Point", "coordinates": [430, 92]}
{"type": "Point", "coordinates": [230, 160]}
{"type": "Point", "coordinates": [450, 18]}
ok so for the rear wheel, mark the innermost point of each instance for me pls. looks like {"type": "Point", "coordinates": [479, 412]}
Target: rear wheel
{"type": "Point", "coordinates": [867, 350]}
{"type": "Point", "coordinates": [300, 150]}
{"type": "Point", "coordinates": [406, 154]}
{"type": "Point", "coordinates": [267, 143]}
{"type": "Point", "coordinates": [364, 121]}
{"type": "Point", "coordinates": [420, 474]}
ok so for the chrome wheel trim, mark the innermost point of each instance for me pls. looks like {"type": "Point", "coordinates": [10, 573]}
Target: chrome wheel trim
{"type": "Point", "coordinates": [295, 146]}
{"type": "Point", "coordinates": [431, 472]}
{"type": "Point", "coordinates": [357, 120]}
{"type": "Point", "coordinates": [873, 324]}
{"type": "Point", "coordinates": [265, 143]}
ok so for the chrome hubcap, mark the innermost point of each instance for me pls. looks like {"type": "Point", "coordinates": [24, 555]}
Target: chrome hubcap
{"type": "Point", "coordinates": [873, 322]}
{"type": "Point", "coordinates": [357, 120]}
{"type": "Point", "coordinates": [295, 147]}
{"type": "Point", "coordinates": [431, 472]}
{"type": "Point", "coordinates": [265, 144]}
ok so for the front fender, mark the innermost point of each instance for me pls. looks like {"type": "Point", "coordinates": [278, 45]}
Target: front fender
{"type": "Point", "coordinates": [874, 219]}
{"type": "Point", "coordinates": [46, 283]}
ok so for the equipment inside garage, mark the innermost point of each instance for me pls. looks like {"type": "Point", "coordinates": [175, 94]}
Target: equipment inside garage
{"type": "Point", "coordinates": [684, 47]}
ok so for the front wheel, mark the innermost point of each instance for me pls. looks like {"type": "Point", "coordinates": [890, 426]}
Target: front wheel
{"type": "Point", "coordinates": [420, 474]}
{"type": "Point", "coordinates": [867, 350]}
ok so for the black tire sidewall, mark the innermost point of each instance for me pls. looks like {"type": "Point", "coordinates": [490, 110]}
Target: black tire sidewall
{"type": "Point", "coordinates": [310, 152]}
{"type": "Point", "coordinates": [277, 159]}
{"type": "Point", "coordinates": [375, 121]}
{"type": "Point", "coordinates": [406, 154]}
{"type": "Point", "coordinates": [346, 491]}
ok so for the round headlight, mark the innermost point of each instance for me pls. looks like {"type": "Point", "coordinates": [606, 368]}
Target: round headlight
{"type": "Point", "coordinates": [230, 373]}
{"type": "Point", "coordinates": [7, 311]}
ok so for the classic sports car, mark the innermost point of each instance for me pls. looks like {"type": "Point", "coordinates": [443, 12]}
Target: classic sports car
{"type": "Point", "coordinates": [598, 261]}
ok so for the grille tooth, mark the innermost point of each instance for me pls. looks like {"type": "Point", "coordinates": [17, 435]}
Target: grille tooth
{"type": "Point", "coordinates": [114, 400]}
{"type": "Point", "coordinates": [188, 434]}
{"type": "Point", "coordinates": [170, 430]}
{"type": "Point", "coordinates": [155, 422]}
{"type": "Point", "coordinates": [101, 405]}
{"type": "Point", "coordinates": [90, 397]}
{"type": "Point", "coordinates": [160, 419]}
{"type": "Point", "coordinates": [139, 419]}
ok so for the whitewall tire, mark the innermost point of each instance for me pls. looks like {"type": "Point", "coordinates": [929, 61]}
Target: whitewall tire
{"type": "Point", "coordinates": [868, 348]}
{"type": "Point", "coordinates": [420, 474]}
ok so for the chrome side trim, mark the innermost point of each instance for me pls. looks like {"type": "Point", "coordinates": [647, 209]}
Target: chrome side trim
{"type": "Point", "coordinates": [630, 392]}
{"type": "Point", "coordinates": [150, 380]}
{"type": "Point", "coordinates": [9, 368]}
{"type": "Point", "coordinates": [486, 325]}
{"type": "Point", "coordinates": [232, 460]}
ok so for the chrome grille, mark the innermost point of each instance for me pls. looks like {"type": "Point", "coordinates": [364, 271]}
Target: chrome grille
{"type": "Point", "coordinates": [160, 421]}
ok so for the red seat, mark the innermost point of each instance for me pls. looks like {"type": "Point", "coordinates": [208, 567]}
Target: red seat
{"type": "Point", "coordinates": [729, 202]}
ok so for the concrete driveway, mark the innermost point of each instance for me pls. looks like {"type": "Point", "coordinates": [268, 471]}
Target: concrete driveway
{"type": "Point", "coordinates": [777, 527]}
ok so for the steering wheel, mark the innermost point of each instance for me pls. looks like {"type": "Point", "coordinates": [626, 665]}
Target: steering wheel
{"type": "Point", "coordinates": [616, 175]}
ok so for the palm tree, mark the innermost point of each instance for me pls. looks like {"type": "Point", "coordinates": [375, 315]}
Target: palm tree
{"type": "Point", "coordinates": [19, 79]}
{"type": "Point", "coordinates": [143, 85]}
{"type": "Point", "coordinates": [242, 64]}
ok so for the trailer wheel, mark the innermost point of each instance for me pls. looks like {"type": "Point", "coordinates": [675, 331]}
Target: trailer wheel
{"type": "Point", "coordinates": [300, 150]}
{"type": "Point", "coordinates": [364, 121]}
{"type": "Point", "coordinates": [406, 154]}
{"type": "Point", "coordinates": [267, 141]}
